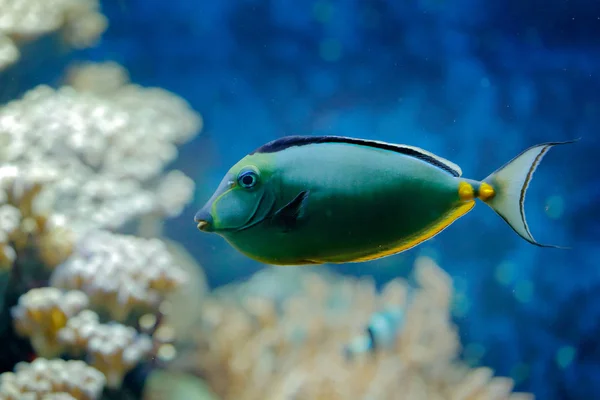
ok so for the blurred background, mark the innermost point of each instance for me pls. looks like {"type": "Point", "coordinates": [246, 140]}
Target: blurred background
{"type": "Point", "coordinates": [472, 81]}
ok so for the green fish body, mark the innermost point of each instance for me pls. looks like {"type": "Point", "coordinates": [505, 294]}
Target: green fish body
{"type": "Point", "coordinates": [313, 200]}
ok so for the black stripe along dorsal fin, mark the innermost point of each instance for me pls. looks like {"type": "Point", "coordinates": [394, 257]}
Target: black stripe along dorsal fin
{"type": "Point", "coordinates": [294, 141]}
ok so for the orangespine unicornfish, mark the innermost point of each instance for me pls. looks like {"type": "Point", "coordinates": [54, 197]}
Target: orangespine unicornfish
{"type": "Point", "coordinates": [381, 333]}
{"type": "Point", "coordinates": [330, 199]}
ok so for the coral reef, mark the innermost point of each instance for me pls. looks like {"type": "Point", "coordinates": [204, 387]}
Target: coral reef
{"type": "Point", "coordinates": [32, 243]}
{"type": "Point", "coordinates": [113, 349]}
{"type": "Point", "coordinates": [120, 273]}
{"type": "Point", "coordinates": [281, 335]}
{"type": "Point", "coordinates": [87, 145]}
{"type": "Point", "coordinates": [79, 22]}
{"type": "Point", "coordinates": [73, 180]}
{"type": "Point", "coordinates": [169, 385]}
{"type": "Point", "coordinates": [41, 313]}
{"type": "Point", "coordinates": [52, 379]}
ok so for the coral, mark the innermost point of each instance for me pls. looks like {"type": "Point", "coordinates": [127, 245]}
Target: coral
{"type": "Point", "coordinates": [282, 335]}
{"type": "Point", "coordinates": [73, 179]}
{"type": "Point", "coordinates": [100, 78]}
{"type": "Point", "coordinates": [120, 273]}
{"type": "Point", "coordinates": [90, 142]}
{"type": "Point", "coordinates": [79, 21]}
{"type": "Point", "coordinates": [113, 349]}
{"type": "Point", "coordinates": [24, 223]}
{"type": "Point", "coordinates": [52, 379]}
{"type": "Point", "coordinates": [125, 278]}
{"type": "Point", "coordinates": [31, 240]}
{"type": "Point", "coordinates": [163, 337]}
{"type": "Point", "coordinates": [168, 385]}
{"type": "Point", "coordinates": [41, 313]}
{"type": "Point", "coordinates": [8, 52]}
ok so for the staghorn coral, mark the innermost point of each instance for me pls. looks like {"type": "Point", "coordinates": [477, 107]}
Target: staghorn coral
{"type": "Point", "coordinates": [79, 22]}
{"type": "Point", "coordinates": [282, 335]}
{"type": "Point", "coordinates": [52, 380]}
{"type": "Point", "coordinates": [41, 313]}
{"type": "Point", "coordinates": [107, 149]}
{"type": "Point", "coordinates": [121, 274]}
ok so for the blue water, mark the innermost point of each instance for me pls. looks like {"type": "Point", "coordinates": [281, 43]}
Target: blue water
{"type": "Point", "coordinates": [474, 81]}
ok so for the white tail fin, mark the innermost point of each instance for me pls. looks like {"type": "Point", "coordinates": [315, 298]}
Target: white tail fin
{"type": "Point", "coordinates": [510, 184]}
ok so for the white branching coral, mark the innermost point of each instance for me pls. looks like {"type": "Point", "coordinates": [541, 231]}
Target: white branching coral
{"type": "Point", "coordinates": [120, 273]}
{"type": "Point", "coordinates": [108, 149]}
{"type": "Point", "coordinates": [52, 379]}
{"type": "Point", "coordinates": [124, 276]}
{"type": "Point", "coordinates": [282, 335]}
{"type": "Point", "coordinates": [25, 227]}
{"type": "Point", "coordinates": [79, 21]}
{"type": "Point", "coordinates": [100, 78]}
{"type": "Point", "coordinates": [113, 348]}
{"type": "Point", "coordinates": [76, 165]}
{"type": "Point", "coordinates": [41, 313]}
{"type": "Point", "coordinates": [9, 53]}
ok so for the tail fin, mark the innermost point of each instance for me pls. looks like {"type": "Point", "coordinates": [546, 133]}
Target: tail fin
{"type": "Point", "coordinates": [509, 186]}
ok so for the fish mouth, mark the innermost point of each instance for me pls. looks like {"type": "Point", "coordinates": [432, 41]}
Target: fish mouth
{"type": "Point", "coordinates": [204, 221]}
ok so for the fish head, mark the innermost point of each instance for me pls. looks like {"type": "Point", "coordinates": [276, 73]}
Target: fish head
{"type": "Point", "coordinates": [244, 198]}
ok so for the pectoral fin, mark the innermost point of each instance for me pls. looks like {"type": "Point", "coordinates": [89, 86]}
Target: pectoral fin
{"type": "Point", "coordinates": [288, 216]}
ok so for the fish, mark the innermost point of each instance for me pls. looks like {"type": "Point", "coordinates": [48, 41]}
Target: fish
{"type": "Point", "coordinates": [306, 200]}
{"type": "Point", "coordinates": [381, 332]}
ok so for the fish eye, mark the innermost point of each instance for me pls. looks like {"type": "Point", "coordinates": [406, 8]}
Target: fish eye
{"type": "Point", "coordinates": [248, 179]}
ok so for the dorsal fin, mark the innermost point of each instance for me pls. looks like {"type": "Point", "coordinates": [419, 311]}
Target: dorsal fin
{"type": "Point", "coordinates": [293, 141]}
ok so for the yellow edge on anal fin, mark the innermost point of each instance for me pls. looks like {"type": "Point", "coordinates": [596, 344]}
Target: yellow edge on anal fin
{"type": "Point", "coordinates": [420, 238]}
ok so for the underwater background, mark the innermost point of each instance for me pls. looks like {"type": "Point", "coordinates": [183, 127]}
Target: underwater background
{"type": "Point", "coordinates": [473, 81]}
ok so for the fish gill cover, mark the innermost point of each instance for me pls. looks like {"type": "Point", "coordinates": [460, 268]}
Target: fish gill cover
{"type": "Point", "coordinates": [98, 303]}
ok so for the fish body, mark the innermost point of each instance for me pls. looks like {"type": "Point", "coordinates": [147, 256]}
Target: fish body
{"type": "Point", "coordinates": [331, 199]}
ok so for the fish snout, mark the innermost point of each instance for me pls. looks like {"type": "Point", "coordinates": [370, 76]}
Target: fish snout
{"type": "Point", "coordinates": [204, 221]}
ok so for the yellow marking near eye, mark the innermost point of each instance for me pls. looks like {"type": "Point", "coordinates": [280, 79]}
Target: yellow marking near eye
{"type": "Point", "coordinates": [414, 240]}
{"type": "Point", "coordinates": [486, 192]}
{"type": "Point", "coordinates": [465, 191]}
